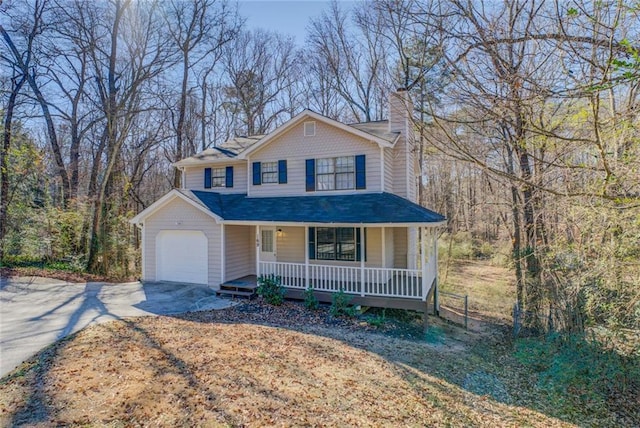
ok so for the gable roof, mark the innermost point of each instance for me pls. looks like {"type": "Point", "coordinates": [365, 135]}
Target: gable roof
{"type": "Point", "coordinates": [382, 139]}
{"type": "Point", "coordinates": [185, 195]}
{"type": "Point", "coordinates": [362, 208]}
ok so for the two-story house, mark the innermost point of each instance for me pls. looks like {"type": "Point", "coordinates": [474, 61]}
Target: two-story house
{"type": "Point", "coordinates": [317, 202]}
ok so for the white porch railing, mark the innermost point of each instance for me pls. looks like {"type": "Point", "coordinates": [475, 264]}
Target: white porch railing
{"type": "Point", "coordinates": [378, 282]}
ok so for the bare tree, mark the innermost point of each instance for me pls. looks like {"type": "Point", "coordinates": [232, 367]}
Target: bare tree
{"type": "Point", "coordinates": [198, 29]}
{"type": "Point", "coordinates": [32, 24]}
{"type": "Point", "coordinates": [353, 54]}
{"type": "Point", "coordinates": [261, 67]}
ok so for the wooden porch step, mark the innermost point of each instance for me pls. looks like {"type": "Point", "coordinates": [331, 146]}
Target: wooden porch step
{"type": "Point", "coordinates": [244, 288]}
{"type": "Point", "coordinates": [248, 294]}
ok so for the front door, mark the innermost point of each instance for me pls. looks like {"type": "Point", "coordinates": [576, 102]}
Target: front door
{"type": "Point", "coordinates": [268, 244]}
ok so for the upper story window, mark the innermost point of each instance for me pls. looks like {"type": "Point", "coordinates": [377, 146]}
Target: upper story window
{"type": "Point", "coordinates": [309, 129]}
{"type": "Point", "coordinates": [218, 177]}
{"type": "Point", "coordinates": [335, 173]}
{"type": "Point", "coordinates": [341, 173]}
{"type": "Point", "coordinates": [269, 172]}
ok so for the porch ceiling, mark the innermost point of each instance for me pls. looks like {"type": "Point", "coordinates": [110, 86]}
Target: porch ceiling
{"type": "Point", "coordinates": [363, 208]}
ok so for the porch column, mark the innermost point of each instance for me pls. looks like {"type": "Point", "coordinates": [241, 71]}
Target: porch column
{"type": "Point", "coordinates": [423, 262]}
{"type": "Point", "coordinates": [436, 302]}
{"type": "Point", "coordinates": [384, 249]}
{"type": "Point", "coordinates": [362, 246]}
{"type": "Point", "coordinates": [306, 257]}
{"type": "Point", "coordinates": [258, 250]}
{"type": "Point", "coordinates": [223, 259]}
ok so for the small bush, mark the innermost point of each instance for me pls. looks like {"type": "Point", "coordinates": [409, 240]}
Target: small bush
{"type": "Point", "coordinates": [341, 305]}
{"type": "Point", "coordinates": [270, 289]}
{"type": "Point", "coordinates": [310, 299]}
{"type": "Point", "coordinates": [378, 320]}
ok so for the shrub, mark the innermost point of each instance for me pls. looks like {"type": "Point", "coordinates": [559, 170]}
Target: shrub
{"type": "Point", "coordinates": [340, 305]}
{"type": "Point", "coordinates": [310, 300]}
{"type": "Point", "coordinates": [378, 320]}
{"type": "Point", "coordinates": [270, 289]}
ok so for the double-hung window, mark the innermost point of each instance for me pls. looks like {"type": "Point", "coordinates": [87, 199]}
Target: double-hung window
{"type": "Point", "coordinates": [218, 177]}
{"type": "Point", "coordinates": [269, 172]}
{"type": "Point", "coordinates": [335, 173]}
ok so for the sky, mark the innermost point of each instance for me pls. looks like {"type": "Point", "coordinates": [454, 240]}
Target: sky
{"type": "Point", "coordinates": [289, 17]}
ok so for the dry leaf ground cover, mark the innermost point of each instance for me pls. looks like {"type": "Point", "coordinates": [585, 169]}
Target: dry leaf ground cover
{"type": "Point", "coordinates": [258, 365]}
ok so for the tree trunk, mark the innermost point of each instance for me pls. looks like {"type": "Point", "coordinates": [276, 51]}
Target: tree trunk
{"type": "Point", "coordinates": [4, 161]}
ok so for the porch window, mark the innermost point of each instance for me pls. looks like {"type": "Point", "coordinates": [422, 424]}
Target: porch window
{"type": "Point", "coordinates": [335, 243]}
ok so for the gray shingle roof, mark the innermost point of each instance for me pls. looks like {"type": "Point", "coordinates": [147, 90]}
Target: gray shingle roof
{"type": "Point", "coordinates": [362, 208]}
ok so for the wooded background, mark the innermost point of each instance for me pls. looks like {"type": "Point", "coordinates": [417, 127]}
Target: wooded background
{"type": "Point", "coordinates": [527, 113]}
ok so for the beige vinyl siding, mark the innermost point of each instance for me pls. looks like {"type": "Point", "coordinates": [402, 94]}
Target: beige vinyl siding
{"type": "Point", "coordinates": [400, 172]}
{"type": "Point", "coordinates": [388, 170]}
{"type": "Point", "coordinates": [295, 148]}
{"type": "Point", "coordinates": [180, 215]}
{"type": "Point", "coordinates": [374, 247]}
{"type": "Point", "coordinates": [290, 245]}
{"type": "Point", "coordinates": [194, 178]}
{"type": "Point", "coordinates": [389, 246]}
{"type": "Point", "coordinates": [400, 244]}
{"type": "Point", "coordinates": [239, 259]}
{"type": "Point", "coordinates": [412, 171]}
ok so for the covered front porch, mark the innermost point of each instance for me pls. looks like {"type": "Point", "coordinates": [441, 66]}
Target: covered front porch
{"type": "Point", "coordinates": [390, 265]}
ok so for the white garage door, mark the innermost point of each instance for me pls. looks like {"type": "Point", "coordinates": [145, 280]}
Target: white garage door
{"type": "Point", "coordinates": [181, 256]}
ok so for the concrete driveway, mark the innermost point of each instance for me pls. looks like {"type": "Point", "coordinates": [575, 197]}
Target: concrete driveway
{"type": "Point", "coordinates": [35, 312]}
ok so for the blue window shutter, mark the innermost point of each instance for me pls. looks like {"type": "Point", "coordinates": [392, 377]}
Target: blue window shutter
{"type": "Point", "coordinates": [312, 243]}
{"type": "Point", "coordinates": [257, 176]}
{"type": "Point", "coordinates": [361, 174]}
{"type": "Point", "coordinates": [228, 181]}
{"type": "Point", "coordinates": [282, 171]}
{"type": "Point", "coordinates": [358, 252]}
{"type": "Point", "coordinates": [311, 175]}
{"type": "Point", "coordinates": [207, 178]}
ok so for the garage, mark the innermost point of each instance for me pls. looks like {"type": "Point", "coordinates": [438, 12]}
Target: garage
{"type": "Point", "coordinates": [182, 256]}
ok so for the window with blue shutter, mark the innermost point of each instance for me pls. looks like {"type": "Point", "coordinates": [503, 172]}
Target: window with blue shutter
{"type": "Point", "coordinates": [310, 175]}
{"type": "Point", "coordinates": [312, 243]}
{"type": "Point", "coordinates": [207, 178]}
{"type": "Point", "coordinates": [361, 175]}
{"type": "Point", "coordinates": [256, 174]}
{"type": "Point", "coordinates": [282, 171]}
{"type": "Point", "coordinates": [228, 182]}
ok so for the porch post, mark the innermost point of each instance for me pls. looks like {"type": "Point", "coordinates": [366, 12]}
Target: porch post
{"type": "Point", "coordinates": [306, 257]}
{"type": "Point", "coordinates": [362, 246]}
{"type": "Point", "coordinates": [423, 261]}
{"type": "Point", "coordinates": [384, 249]}
{"type": "Point", "coordinates": [436, 302]}
{"type": "Point", "coordinates": [258, 250]}
{"type": "Point", "coordinates": [223, 259]}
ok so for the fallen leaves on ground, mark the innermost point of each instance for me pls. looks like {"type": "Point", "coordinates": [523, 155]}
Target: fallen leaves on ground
{"type": "Point", "coordinates": [251, 365]}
